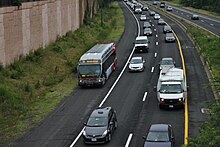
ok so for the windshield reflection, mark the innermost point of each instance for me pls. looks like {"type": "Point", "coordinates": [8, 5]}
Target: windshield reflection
{"type": "Point", "coordinates": [171, 88]}
{"type": "Point", "coordinates": [90, 70]}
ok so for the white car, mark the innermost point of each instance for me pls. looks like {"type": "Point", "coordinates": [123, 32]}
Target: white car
{"type": "Point", "coordinates": [143, 17]}
{"type": "Point", "coordinates": [136, 64]}
{"type": "Point", "coordinates": [156, 16]}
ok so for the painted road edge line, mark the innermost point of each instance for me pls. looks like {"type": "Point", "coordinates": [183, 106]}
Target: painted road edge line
{"type": "Point", "coordinates": [186, 121]}
{"type": "Point", "coordinates": [129, 140]}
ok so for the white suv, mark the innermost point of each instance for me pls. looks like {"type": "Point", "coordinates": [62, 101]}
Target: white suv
{"type": "Point", "coordinates": [141, 44]}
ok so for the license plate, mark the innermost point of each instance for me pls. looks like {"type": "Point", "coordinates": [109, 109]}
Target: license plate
{"type": "Point", "coordinates": [170, 106]}
{"type": "Point", "coordinates": [94, 139]}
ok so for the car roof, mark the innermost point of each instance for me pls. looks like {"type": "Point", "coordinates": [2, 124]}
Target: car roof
{"type": "Point", "coordinates": [101, 112]}
{"type": "Point", "coordinates": [141, 37]}
{"type": "Point", "coordinates": [159, 127]}
{"type": "Point", "coordinates": [167, 58]}
{"type": "Point", "coordinates": [133, 58]}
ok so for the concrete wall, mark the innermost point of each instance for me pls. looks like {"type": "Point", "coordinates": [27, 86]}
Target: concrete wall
{"type": "Point", "coordinates": [37, 24]}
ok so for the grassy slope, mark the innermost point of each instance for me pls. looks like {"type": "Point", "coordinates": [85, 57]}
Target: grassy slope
{"type": "Point", "coordinates": [32, 86]}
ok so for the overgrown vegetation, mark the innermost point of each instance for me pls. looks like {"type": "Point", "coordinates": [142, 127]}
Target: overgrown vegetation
{"type": "Point", "coordinates": [31, 86]}
{"type": "Point", "coordinates": [210, 130]}
{"type": "Point", "coordinates": [210, 5]}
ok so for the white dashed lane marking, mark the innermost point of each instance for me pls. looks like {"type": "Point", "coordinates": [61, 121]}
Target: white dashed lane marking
{"type": "Point", "coordinates": [155, 55]}
{"type": "Point", "coordinates": [152, 69]}
{"type": "Point", "coordinates": [145, 96]}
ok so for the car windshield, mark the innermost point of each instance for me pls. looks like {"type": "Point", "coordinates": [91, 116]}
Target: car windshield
{"type": "Point", "coordinates": [142, 41]}
{"type": "Point", "coordinates": [167, 62]}
{"type": "Point", "coordinates": [171, 88]}
{"type": "Point", "coordinates": [97, 121]}
{"type": "Point", "coordinates": [169, 35]}
{"type": "Point", "coordinates": [157, 137]}
{"type": "Point", "coordinates": [143, 16]}
{"type": "Point", "coordinates": [167, 28]}
{"type": "Point", "coordinates": [136, 61]}
{"type": "Point", "coordinates": [90, 70]}
{"type": "Point", "coordinates": [147, 29]}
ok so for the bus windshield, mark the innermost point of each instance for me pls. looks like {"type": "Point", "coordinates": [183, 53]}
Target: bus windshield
{"type": "Point", "coordinates": [90, 70]}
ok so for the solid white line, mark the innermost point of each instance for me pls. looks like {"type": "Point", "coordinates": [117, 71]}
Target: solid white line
{"type": "Point", "coordinates": [156, 35]}
{"type": "Point", "coordinates": [129, 140]}
{"type": "Point", "coordinates": [157, 43]}
{"type": "Point", "coordinates": [155, 55]}
{"type": "Point", "coordinates": [145, 96]}
{"type": "Point", "coordinates": [77, 138]}
{"type": "Point", "coordinates": [116, 81]}
{"type": "Point", "coordinates": [152, 69]}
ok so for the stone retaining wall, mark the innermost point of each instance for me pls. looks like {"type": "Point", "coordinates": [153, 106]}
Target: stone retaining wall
{"type": "Point", "coordinates": [37, 24]}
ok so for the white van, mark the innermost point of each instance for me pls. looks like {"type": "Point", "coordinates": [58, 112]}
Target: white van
{"type": "Point", "coordinates": [141, 44]}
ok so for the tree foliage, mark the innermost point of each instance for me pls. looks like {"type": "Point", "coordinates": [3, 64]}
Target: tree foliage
{"type": "Point", "coordinates": [211, 5]}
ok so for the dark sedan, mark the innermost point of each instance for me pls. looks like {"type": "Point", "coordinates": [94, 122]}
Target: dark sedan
{"type": "Point", "coordinates": [159, 135]}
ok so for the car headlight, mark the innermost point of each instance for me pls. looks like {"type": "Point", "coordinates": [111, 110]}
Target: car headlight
{"type": "Point", "coordinates": [84, 133]}
{"type": "Point", "coordinates": [105, 133]}
{"type": "Point", "coordinates": [162, 100]}
{"type": "Point", "coordinates": [180, 100]}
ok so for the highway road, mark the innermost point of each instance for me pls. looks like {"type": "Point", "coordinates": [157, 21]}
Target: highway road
{"type": "Point", "coordinates": [210, 23]}
{"type": "Point", "coordinates": [135, 112]}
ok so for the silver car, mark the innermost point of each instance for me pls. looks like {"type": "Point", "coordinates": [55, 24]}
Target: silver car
{"type": "Point", "coordinates": [166, 63]}
{"type": "Point", "coordinates": [169, 37]}
{"type": "Point", "coordinates": [161, 22]}
{"type": "Point", "coordinates": [147, 24]}
{"type": "Point", "coordinates": [143, 17]}
{"type": "Point", "coordinates": [136, 64]}
{"type": "Point", "coordinates": [148, 31]}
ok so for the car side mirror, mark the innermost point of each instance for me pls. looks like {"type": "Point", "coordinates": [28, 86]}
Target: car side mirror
{"type": "Point", "coordinates": [143, 61]}
{"type": "Point", "coordinates": [84, 123]}
{"type": "Point", "coordinates": [144, 137]}
{"type": "Point", "coordinates": [111, 123]}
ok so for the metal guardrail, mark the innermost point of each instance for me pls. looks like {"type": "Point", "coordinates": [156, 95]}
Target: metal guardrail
{"type": "Point", "coordinates": [7, 3]}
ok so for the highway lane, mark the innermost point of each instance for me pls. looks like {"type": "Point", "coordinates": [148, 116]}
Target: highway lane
{"type": "Point", "coordinates": [134, 114]}
{"type": "Point", "coordinates": [209, 23]}
{"type": "Point", "coordinates": [63, 124]}
{"type": "Point", "coordinates": [199, 88]}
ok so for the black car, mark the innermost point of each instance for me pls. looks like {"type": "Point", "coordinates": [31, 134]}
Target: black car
{"type": "Point", "coordinates": [159, 135]}
{"type": "Point", "coordinates": [167, 29]}
{"type": "Point", "coordinates": [100, 125]}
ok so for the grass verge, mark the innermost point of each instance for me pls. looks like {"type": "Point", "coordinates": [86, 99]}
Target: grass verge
{"type": "Point", "coordinates": [208, 45]}
{"type": "Point", "coordinates": [33, 85]}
